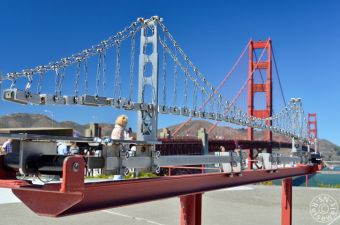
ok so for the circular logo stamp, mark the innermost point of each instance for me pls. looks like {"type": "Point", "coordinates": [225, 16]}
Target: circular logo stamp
{"type": "Point", "coordinates": [323, 208]}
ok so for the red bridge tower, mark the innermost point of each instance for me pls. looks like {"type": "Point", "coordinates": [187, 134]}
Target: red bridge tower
{"type": "Point", "coordinates": [263, 64]}
{"type": "Point", "coordinates": [312, 128]}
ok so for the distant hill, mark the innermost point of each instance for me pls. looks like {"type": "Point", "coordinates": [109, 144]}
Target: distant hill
{"type": "Point", "coordinates": [329, 150]}
{"type": "Point", "coordinates": [221, 132]}
{"type": "Point", "coordinates": [39, 120]}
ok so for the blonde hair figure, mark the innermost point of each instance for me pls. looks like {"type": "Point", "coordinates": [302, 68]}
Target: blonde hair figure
{"type": "Point", "coordinates": [119, 131]}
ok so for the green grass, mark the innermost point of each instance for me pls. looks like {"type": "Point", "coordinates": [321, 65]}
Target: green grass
{"type": "Point", "coordinates": [141, 175]}
{"type": "Point", "coordinates": [129, 176]}
{"type": "Point", "coordinates": [100, 176]}
{"type": "Point", "coordinates": [267, 183]}
{"type": "Point", "coordinates": [322, 185]}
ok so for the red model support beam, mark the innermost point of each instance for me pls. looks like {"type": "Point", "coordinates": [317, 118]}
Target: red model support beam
{"type": "Point", "coordinates": [8, 177]}
{"type": "Point", "coordinates": [67, 199]}
{"type": "Point", "coordinates": [287, 194]}
{"type": "Point", "coordinates": [253, 88]}
{"type": "Point", "coordinates": [191, 209]}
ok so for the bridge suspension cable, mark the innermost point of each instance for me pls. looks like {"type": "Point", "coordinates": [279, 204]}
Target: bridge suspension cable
{"type": "Point", "coordinates": [80, 56]}
{"type": "Point", "coordinates": [239, 92]}
{"type": "Point", "coordinates": [278, 77]}
{"type": "Point", "coordinates": [213, 92]}
{"type": "Point", "coordinates": [217, 88]}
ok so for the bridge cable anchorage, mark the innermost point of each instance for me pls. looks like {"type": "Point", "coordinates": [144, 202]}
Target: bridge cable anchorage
{"type": "Point", "coordinates": [218, 86]}
{"type": "Point", "coordinates": [240, 91]}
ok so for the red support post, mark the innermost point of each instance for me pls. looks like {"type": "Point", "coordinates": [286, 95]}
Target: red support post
{"type": "Point", "coordinates": [191, 209]}
{"type": "Point", "coordinates": [287, 194]}
{"type": "Point", "coordinates": [253, 88]}
{"type": "Point", "coordinates": [198, 209]}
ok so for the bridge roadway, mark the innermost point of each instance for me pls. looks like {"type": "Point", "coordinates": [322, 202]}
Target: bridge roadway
{"type": "Point", "coordinates": [194, 146]}
{"type": "Point", "coordinates": [256, 203]}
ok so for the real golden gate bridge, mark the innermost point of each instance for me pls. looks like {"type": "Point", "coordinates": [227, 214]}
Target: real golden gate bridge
{"type": "Point", "coordinates": [36, 154]}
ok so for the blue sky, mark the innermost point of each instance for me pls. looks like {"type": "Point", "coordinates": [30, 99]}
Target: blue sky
{"type": "Point", "coordinates": [305, 37]}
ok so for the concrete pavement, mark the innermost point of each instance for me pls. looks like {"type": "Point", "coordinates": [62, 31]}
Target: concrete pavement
{"type": "Point", "coordinates": [254, 204]}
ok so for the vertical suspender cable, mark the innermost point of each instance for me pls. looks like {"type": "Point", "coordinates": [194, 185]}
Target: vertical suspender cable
{"type": "Point", "coordinates": [278, 77]}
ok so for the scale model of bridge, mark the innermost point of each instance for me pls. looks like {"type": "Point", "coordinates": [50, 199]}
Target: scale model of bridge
{"type": "Point", "coordinates": [168, 82]}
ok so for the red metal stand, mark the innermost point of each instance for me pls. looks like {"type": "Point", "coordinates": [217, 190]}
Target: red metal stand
{"type": "Point", "coordinates": [8, 177]}
{"type": "Point", "coordinates": [72, 196]}
{"type": "Point", "coordinates": [253, 88]}
{"type": "Point", "coordinates": [191, 209]}
{"type": "Point", "coordinates": [287, 194]}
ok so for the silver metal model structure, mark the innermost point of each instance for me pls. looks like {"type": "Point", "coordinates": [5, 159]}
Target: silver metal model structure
{"type": "Point", "coordinates": [147, 118]}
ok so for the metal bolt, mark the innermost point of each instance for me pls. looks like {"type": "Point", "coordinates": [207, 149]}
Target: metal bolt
{"type": "Point", "coordinates": [157, 154]}
{"type": "Point", "coordinates": [126, 171]}
{"type": "Point", "coordinates": [157, 169]}
{"type": "Point", "coordinates": [75, 167]}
